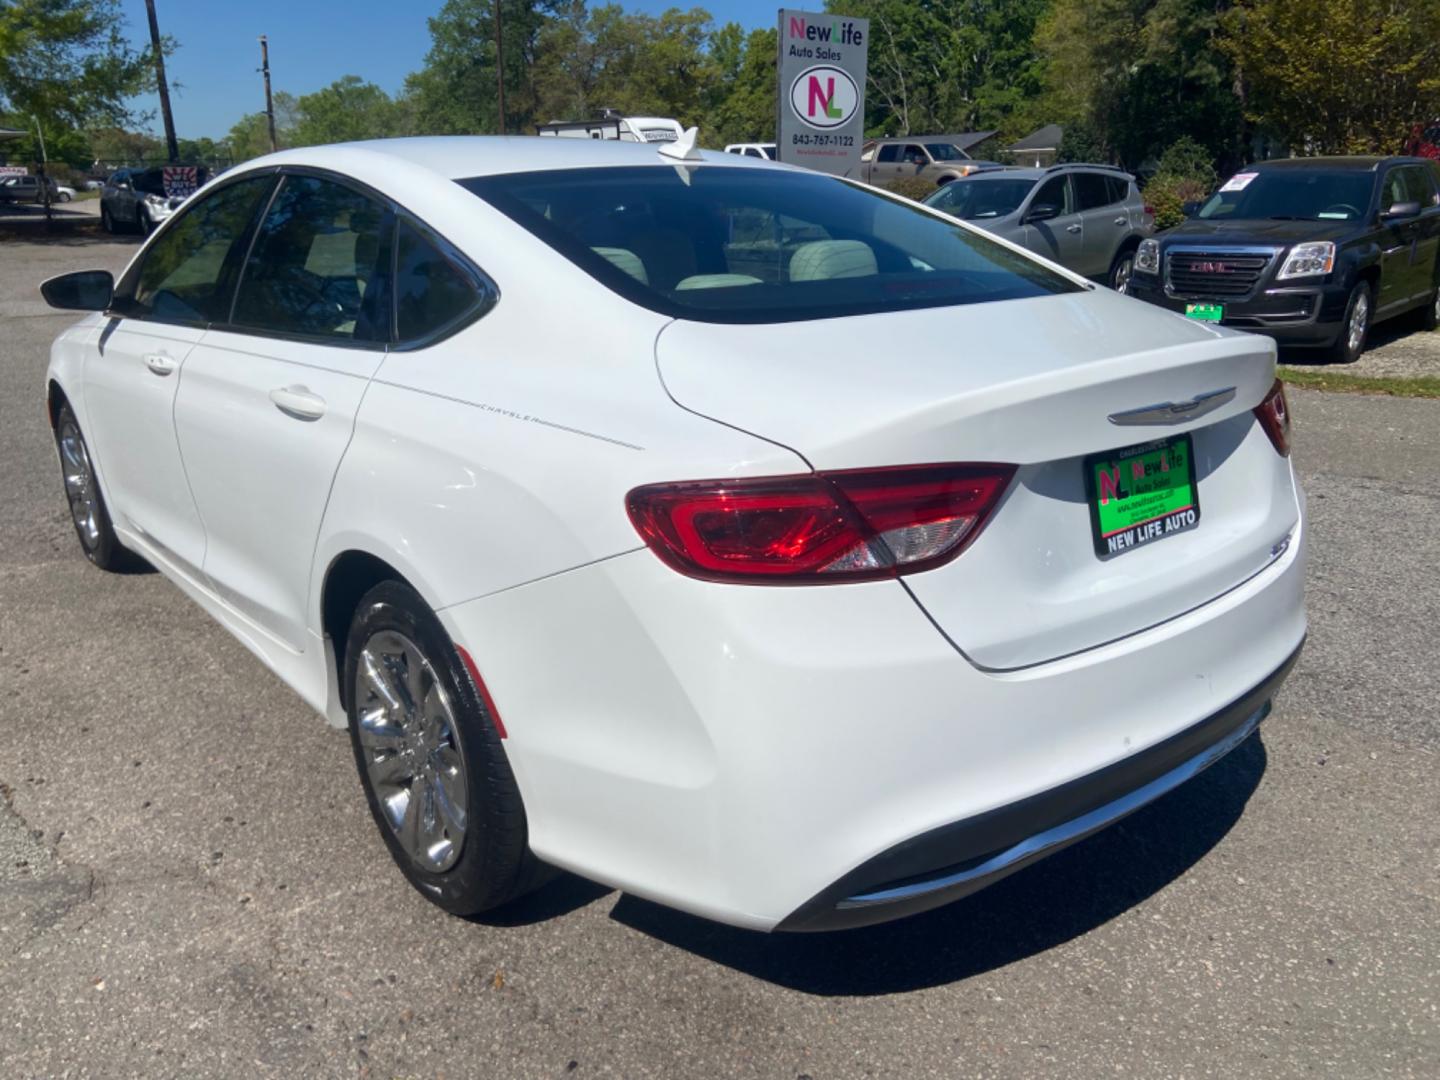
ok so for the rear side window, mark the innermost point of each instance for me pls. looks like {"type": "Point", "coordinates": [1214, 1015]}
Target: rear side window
{"type": "Point", "coordinates": [436, 291]}
{"type": "Point", "coordinates": [756, 245]}
{"type": "Point", "coordinates": [181, 278]}
{"type": "Point", "coordinates": [317, 267]}
{"type": "Point", "coordinates": [889, 152]}
{"type": "Point", "coordinates": [1092, 190]}
{"type": "Point", "coordinates": [1119, 188]}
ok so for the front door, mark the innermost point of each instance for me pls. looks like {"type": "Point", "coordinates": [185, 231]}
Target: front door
{"type": "Point", "coordinates": [1060, 239]}
{"type": "Point", "coordinates": [158, 315]}
{"type": "Point", "coordinates": [269, 401]}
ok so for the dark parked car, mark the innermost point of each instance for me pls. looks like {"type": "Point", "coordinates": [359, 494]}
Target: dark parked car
{"type": "Point", "coordinates": [1312, 251]}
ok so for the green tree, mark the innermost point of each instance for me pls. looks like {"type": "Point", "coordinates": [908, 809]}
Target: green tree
{"type": "Point", "coordinates": [347, 110]}
{"type": "Point", "coordinates": [1141, 74]}
{"type": "Point", "coordinates": [1338, 76]}
{"type": "Point", "coordinates": [741, 105]}
{"type": "Point", "coordinates": [455, 92]}
{"type": "Point", "coordinates": [250, 137]}
{"type": "Point", "coordinates": [948, 65]}
{"type": "Point", "coordinates": [67, 62]}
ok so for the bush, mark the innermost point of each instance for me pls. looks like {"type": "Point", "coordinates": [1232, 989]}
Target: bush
{"type": "Point", "coordinates": [1186, 174]}
{"type": "Point", "coordinates": [1167, 194]}
{"type": "Point", "coordinates": [912, 187]}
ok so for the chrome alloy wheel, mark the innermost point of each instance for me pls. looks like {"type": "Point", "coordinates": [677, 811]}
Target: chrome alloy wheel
{"type": "Point", "coordinates": [79, 483]}
{"type": "Point", "coordinates": [1359, 322]}
{"type": "Point", "coordinates": [411, 746]}
{"type": "Point", "coordinates": [1120, 282]}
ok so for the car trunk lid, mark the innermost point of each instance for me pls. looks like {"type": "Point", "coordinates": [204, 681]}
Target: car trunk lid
{"type": "Point", "coordinates": [1033, 383]}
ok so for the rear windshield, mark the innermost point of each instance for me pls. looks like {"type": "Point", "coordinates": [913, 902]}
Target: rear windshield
{"type": "Point", "coordinates": [759, 245]}
{"type": "Point", "coordinates": [1292, 195]}
{"type": "Point", "coordinates": [976, 200]}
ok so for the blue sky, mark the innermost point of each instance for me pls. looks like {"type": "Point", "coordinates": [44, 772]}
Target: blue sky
{"type": "Point", "coordinates": [312, 43]}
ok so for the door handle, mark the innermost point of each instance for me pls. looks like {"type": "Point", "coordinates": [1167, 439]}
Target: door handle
{"type": "Point", "coordinates": [1122, 220]}
{"type": "Point", "coordinates": [160, 364]}
{"type": "Point", "coordinates": [1072, 228]}
{"type": "Point", "coordinates": [299, 402]}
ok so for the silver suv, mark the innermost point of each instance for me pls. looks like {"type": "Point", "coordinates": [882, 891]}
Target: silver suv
{"type": "Point", "coordinates": [1087, 218]}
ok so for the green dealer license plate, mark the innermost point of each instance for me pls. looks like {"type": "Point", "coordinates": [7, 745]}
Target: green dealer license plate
{"type": "Point", "coordinates": [1141, 494]}
{"type": "Point", "coordinates": [1205, 312]}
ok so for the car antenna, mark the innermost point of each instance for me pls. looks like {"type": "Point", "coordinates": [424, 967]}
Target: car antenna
{"type": "Point", "coordinates": [683, 148]}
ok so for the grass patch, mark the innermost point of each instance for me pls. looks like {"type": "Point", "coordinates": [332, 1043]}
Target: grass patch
{"type": "Point", "coordinates": [1343, 383]}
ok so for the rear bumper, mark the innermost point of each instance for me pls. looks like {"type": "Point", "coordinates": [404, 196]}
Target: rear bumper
{"type": "Point", "coordinates": [1309, 315]}
{"type": "Point", "coordinates": [956, 860]}
{"type": "Point", "coordinates": [737, 751]}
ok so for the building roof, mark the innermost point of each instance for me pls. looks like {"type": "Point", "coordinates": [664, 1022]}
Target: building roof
{"type": "Point", "coordinates": [1045, 138]}
{"type": "Point", "coordinates": [11, 133]}
{"type": "Point", "coordinates": [966, 139]}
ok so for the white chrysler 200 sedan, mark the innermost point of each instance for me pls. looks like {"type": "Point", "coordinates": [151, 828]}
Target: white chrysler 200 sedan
{"type": "Point", "coordinates": [744, 538]}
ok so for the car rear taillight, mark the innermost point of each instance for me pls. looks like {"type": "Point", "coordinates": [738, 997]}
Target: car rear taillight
{"type": "Point", "coordinates": [821, 528]}
{"type": "Point", "coordinates": [1274, 416]}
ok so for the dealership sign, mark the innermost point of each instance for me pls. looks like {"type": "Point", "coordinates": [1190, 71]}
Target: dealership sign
{"type": "Point", "coordinates": [822, 90]}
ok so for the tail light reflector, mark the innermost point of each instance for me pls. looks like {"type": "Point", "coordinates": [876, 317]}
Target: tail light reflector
{"type": "Point", "coordinates": [821, 528]}
{"type": "Point", "coordinates": [1274, 416]}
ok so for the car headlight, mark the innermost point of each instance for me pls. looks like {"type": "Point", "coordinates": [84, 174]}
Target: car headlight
{"type": "Point", "coordinates": [1308, 260]}
{"type": "Point", "coordinates": [1147, 257]}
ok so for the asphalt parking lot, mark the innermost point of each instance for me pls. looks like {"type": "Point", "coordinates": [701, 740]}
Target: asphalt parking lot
{"type": "Point", "coordinates": [190, 884]}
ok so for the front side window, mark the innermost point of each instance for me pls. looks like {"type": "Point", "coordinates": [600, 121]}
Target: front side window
{"type": "Point", "coordinates": [914, 155]}
{"type": "Point", "coordinates": [435, 291]}
{"type": "Point", "coordinates": [1055, 192]}
{"type": "Point", "coordinates": [1408, 184]}
{"type": "Point", "coordinates": [1292, 194]}
{"type": "Point", "coordinates": [756, 246]}
{"type": "Point", "coordinates": [182, 276]}
{"type": "Point", "coordinates": [979, 200]}
{"type": "Point", "coordinates": [315, 269]}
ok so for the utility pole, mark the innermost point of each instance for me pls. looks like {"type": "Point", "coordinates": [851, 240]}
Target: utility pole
{"type": "Point", "coordinates": [171, 147]}
{"type": "Point", "coordinates": [269, 102]}
{"type": "Point", "coordinates": [44, 174]}
{"type": "Point", "coordinates": [500, 68]}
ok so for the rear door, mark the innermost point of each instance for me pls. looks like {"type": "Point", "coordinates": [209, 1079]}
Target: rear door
{"type": "Point", "coordinates": [1104, 221]}
{"type": "Point", "coordinates": [269, 397]}
{"type": "Point", "coordinates": [1060, 238]}
{"type": "Point", "coordinates": [159, 314]}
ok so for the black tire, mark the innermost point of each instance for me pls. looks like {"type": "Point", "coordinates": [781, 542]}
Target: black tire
{"type": "Point", "coordinates": [1348, 345]}
{"type": "Point", "coordinates": [494, 865]}
{"type": "Point", "coordinates": [1120, 270]}
{"type": "Point", "coordinates": [93, 527]}
{"type": "Point", "coordinates": [143, 225]}
{"type": "Point", "coordinates": [106, 221]}
{"type": "Point", "coordinates": [1430, 313]}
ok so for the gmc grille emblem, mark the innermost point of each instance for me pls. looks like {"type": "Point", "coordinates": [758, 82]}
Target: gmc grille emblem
{"type": "Point", "coordinates": [1213, 267]}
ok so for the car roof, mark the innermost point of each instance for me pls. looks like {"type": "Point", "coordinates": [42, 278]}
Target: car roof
{"type": "Point", "coordinates": [458, 157]}
{"type": "Point", "coordinates": [1352, 163]}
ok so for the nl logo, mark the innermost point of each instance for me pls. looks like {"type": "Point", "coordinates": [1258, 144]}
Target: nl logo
{"type": "Point", "coordinates": [824, 96]}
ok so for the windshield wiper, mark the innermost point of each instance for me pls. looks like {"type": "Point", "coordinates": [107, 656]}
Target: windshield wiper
{"type": "Point", "coordinates": [1286, 217]}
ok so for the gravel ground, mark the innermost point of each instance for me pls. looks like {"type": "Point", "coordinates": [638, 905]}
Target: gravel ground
{"type": "Point", "coordinates": [203, 894]}
{"type": "Point", "coordinates": [1397, 350]}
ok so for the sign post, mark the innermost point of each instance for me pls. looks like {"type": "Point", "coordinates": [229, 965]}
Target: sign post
{"type": "Point", "coordinates": [821, 96]}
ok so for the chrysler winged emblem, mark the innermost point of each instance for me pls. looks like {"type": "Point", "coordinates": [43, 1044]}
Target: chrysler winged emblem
{"type": "Point", "coordinates": [1174, 412]}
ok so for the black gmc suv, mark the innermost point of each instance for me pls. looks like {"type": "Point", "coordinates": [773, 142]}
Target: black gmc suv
{"type": "Point", "coordinates": [1311, 251]}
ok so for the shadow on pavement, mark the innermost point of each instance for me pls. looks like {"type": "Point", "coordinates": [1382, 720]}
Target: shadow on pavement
{"type": "Point", "coordinates": [565, 894]}
{"type": "Point", "coordinates": [1382, 334]}
{"type": "Point", "coordinates": [1048, 904]}
{"type": "Point", "coordinates": [67, 228]}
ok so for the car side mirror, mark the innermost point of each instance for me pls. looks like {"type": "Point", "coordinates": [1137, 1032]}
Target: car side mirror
{"type": "Point", "coordinates": [1042, 212]}
{"type": "Point", "coordinates": [1400, 211]}
{"type": "Point", "coordinates": [83, 290]}
{"type": "Point", "coordinates": [1191, 208]}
